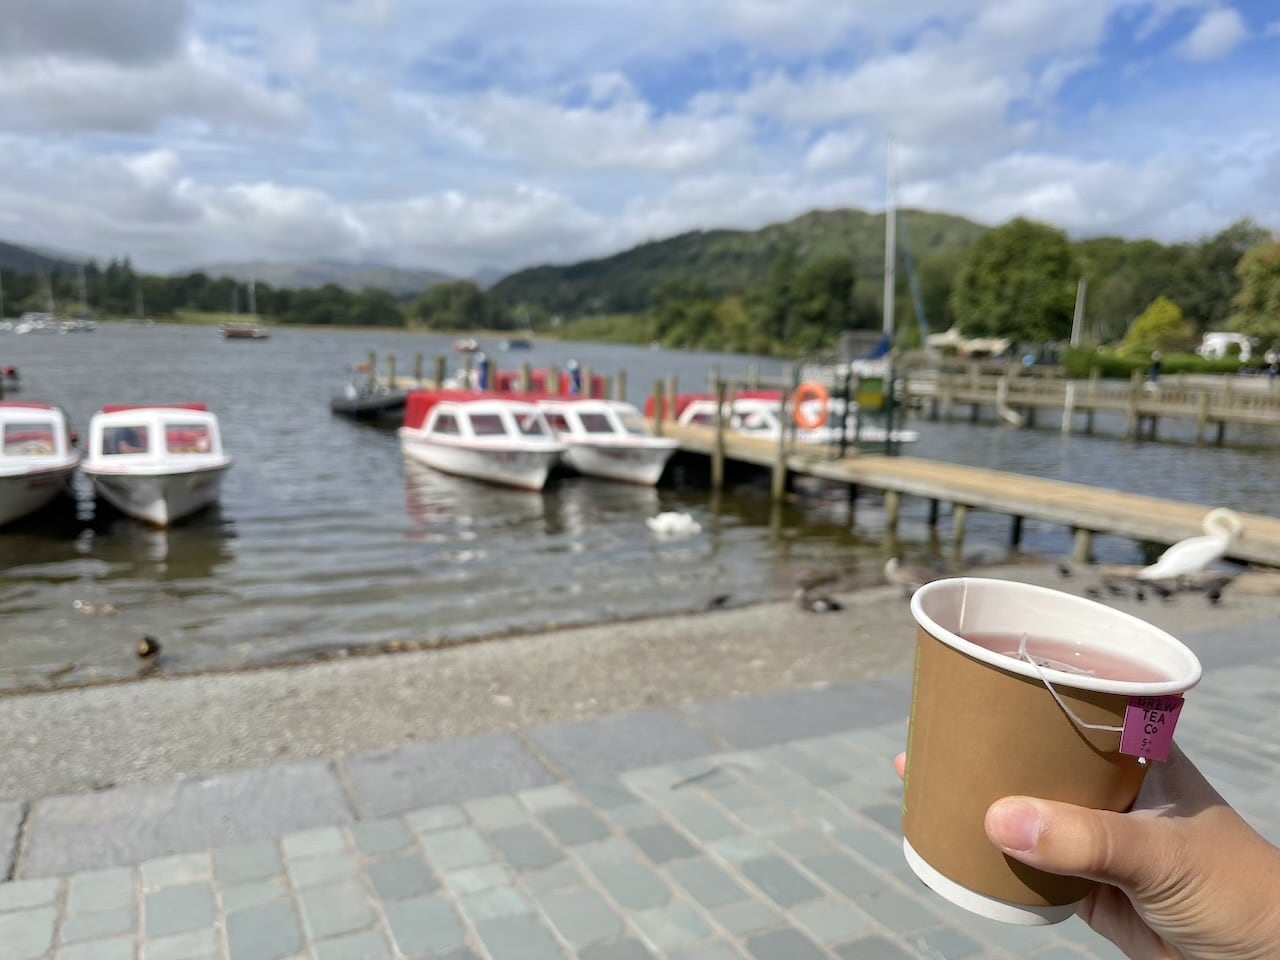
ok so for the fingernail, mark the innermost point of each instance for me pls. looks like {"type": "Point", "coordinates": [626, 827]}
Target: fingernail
{"type": "Point", "coordinates": [1013, 825]}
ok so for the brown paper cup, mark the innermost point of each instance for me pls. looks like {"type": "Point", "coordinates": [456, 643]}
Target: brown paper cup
{"type": "Point", "coordinates": [985, 726]}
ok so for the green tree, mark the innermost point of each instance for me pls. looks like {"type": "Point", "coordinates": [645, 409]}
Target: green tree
{"type": "Point", "coordinates": [1258, 302]}
{"type": "Point", "coordinates": [1019, 281]}
{"type": "Point", "coordinates": [375, 308]}
{"type": "Point", "coordinates": [1211, 282]}
{"type": "Point", "coordinates": [1161, 327]}
{"type": "Point", "coordinates": [459, 305]}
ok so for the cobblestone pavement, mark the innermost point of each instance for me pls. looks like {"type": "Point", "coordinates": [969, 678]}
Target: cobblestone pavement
{"type": "Point", "coordinates": [782, 851]}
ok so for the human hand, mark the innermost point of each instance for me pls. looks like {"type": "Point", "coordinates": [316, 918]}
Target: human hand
{"type": "Point", "coordinates": [1182, 876]}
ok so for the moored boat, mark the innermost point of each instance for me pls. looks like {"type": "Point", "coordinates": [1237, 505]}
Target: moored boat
{"type": "Point", "coordinates": [758, 414]}
{"type": "Point", "coordinates": [466, 345]}
{"type": "Point", "coordinates": [483, 436]}
{"type": "Point", "coordinates": [158, 464]}
{"type": "Point", "coordinates": [362, 400]}
{"type": "Point", "coordinates": [37, 457]}
{"type": "Point", "coordinates": [244, 331]}
{"type": "Point", "coordinates": [608, 439]}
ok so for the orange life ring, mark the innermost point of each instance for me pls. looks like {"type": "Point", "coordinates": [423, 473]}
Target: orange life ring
{"type": "Point", "coordinates": [810, 393]}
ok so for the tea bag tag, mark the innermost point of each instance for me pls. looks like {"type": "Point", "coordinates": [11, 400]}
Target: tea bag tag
{"type": "Point", "coordinates": [1148, 727]}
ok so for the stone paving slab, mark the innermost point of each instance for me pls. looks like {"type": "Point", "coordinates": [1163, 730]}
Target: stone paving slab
{"type": "Point", "coordinates": [10, 824]}
{"type": "Point", "coordinates": [611, 744]}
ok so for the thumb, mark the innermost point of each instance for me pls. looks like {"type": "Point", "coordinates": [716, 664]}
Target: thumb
{"type": "Point", "coordinates": [1126, 850]}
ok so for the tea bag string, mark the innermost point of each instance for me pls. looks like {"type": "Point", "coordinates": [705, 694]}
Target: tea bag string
{"type": "Point", "coordinates": [1022, 652]}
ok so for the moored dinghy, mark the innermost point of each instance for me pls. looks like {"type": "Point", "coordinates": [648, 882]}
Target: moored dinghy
{"type": "Point", "coordinates": [609, 439]}
{"type": "Point", "coordinates": [482, 436]}
{"type": "Point", "coordinates": [37, 457]}
{"type": "Point", "coordinates": [158, 464]}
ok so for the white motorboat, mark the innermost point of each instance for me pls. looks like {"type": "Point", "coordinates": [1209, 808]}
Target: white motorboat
{"type": "Point", "coordinates": [496, 439]}
{"type": "Point", "coordinates": [158, 464]}
{"type": "Point", "coordinates": [609, 439]}
{"type": "Point", "coordinates": [37, 457]}
{"type": "Point", "coordinates": [759, 415]}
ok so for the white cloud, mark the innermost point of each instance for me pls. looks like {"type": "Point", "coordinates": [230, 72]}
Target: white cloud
{"type": "Point", "coordinates": [122, 31]}
{"type": "Point", "coordinates": [1216, 35]}
{"type": "Point", "coordinates": [1272, 29]}
{"type": "Point", "coordinates": [836, 150]}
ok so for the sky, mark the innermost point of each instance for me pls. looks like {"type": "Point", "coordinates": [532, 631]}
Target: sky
{"type": "Point", "coordinates": [494, 134]}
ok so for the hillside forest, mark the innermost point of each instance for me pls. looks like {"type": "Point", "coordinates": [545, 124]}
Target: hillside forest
{"type": "Point", "coordinates": [787, 289]}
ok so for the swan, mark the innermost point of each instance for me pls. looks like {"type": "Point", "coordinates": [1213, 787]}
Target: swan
{"type": "Point", "coordinates": [910, 579]}
{"type": "Point", "coordinates": [672, 523]}
{"type": "Point", "coordinates": [1190, 556]}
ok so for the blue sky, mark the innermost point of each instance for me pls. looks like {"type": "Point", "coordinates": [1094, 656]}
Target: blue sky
{"type": "Point", "coordinates": [501, 134]}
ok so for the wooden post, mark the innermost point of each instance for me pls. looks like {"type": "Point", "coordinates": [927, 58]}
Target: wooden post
{"type": "Point", "coordinates": [779, 485]}
{"type": "Point", "coordinates": [441, 364]}
{"type": "Point", "coordinates": [526, 377]}
{"type": "Point", "coordinates": [717, 453]}
{"type": "Point", "coordinates": [1202, 416]}
{"type": "Point", "coordinates": [417, 368]}
{"type": "Point", "coordinates": [753, 376]}
{"type": "Point", "coordinates": [468, 362]}
{"type": "Point", "coordinates": [1083, 545]}
{"type": "Point", "coordinates": [553, 381]}
{"type": "Point", "coordinates": [1222, 432]}
{"type": "Point", "coordinates": [659, 401]}
{"type": "Point", "coordinates": [586, 383]}
{"type": "Point", "coordinates": [1068, 406]}
{"type": "Point", "coordinates": [933, 513]}
{"type": "Point", "coordinates": [620, 386]}
{"type": "Point", "coordinates": [391, 371]}
{"type": "Point", "coordinates": [673, 393]}
{"type": "Point", "coordinates": [1131, 413]}
{"type": "Point", "coordinates": [1015, 532]}
{"type": "Point", "coordinates": [892, 510]}
{"type": "Point", "coordinates": [373, 367]}
{"type": "Point", "coordinates": [959, 521]}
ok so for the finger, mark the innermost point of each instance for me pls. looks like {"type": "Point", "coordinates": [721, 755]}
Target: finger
{"type": "Point", "coordinates": [900, 764]}
{"type": "Point", "coordinates": [1133, 852]}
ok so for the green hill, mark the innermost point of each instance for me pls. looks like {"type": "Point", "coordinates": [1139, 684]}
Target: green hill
{"type": "Point", "coordinates": [728, 261]}
{"type": "Point", "coordinates": [25, 260]}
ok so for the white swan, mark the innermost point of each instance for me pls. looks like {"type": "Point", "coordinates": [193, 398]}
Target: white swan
{"type": "Point", "coordinates": [1188, 557]}
{"type": "Point", "coordinates": [672, 523]}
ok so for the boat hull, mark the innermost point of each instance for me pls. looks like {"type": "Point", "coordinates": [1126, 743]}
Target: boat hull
{"type": "Point", "coordinates": [625, 463]}
{"type": "Point", "coordinates": [23, 493]}
{"type": "Point", "coordinates": [160, 499]}
{"type": "Point", "coordinates": [523, 469]}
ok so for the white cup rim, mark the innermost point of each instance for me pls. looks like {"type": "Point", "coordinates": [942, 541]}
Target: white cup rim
{"type": "Point", "coordinates": [1185, 680]}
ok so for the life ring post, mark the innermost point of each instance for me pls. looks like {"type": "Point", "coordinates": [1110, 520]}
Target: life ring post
{"type": "Point", "coordinates": [807, 395]}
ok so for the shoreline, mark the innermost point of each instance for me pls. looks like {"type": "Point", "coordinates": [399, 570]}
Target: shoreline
{"type": "Point", "coordinates": [163, 728]}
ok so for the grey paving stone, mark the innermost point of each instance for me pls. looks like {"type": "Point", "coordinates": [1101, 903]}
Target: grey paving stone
{"type": "Point", "coordinates": [366, 945]}
{"type": "Point", "coordinates": [10, 824]}
{"type": "Point", "coordinates": [816, 772]}
{"type": "Point", "coordinates": [875, 846]}
{"type": "Point", "coordinates": [381, 836]}
{"type": "Point", "coordinates": [887, 815]}
{"type": "Point", "coordinates": [606, 745]}
{"type": "Point", "coordinates": [749, 916]}
{"type": "Point", "coordinates": [401, 877]}
{"type": "Point", "coordinates": [192, 945]}
{"type": "Point", "coordinates": [325, 868]}
{"type": "Point", "coordinates": [494, 813]}
{"type": "Point", "coordinates": [633, 886]}
{"type": "Point", "coordinates": [573, 825]}
{"type": "Point", "coordinates": [759, 721]}
{"type": "Point", "coordinates": [707, 883]}
{"type": "Point", "coordinates": [460, 847]}
{"type": "Point", "coordinates": [451, 771]}
{"type": "Point", "coordinates": [253, 894]}
{"type": "Point", "coordinates": [607, 794]}
{"type": "Point", "coordinates": [267, 932]}
{"type": "Point", "coordinates": [784, 945]}
{"type": "Point", "coordinates": [619, 950]}
{"type": "Point", "coordinates": [661, 844]}
{"type": "Point", "coordinates": [947, 943]}
{"type": "Point", "coordinates": [314, 843]}
{"type": "Point", "coordinates": [440, 817]}
{"type": "Point", "coordinates": [97, 890]}
{"type": "Point", "coordinates": [1058, 953]}
{"type": "Point", "coordinates": [128, 825]}
{"type": "Point", "coordinates": [177, 869]}
{"type": "Point", "coordinates": [518, 938]}
{"type": "Point", "coordinates": [897, 911]}
{"type": "Point", "coordinates": [563, 876]}
{"type": "Point", "coordinates": [873, 948]}
{"type": "Point", "coordinates": [581, 916]}
{"type": "Point", "coordinates": [740, 847]}
{"type": "Point", "coordinates": [539, 799]}
{"type": "Point", "coordinates": [95, 926]}
{"type": "Point", "coordinates": [613, 850]}
{"type": "Point", "coordinates": [505, 901]}
{"type": "Point", "coordinates": [781, 881]}
{"type": "Point", "coordinates": [176, 909]}
{"type": "Point", "coordinates": [672, 926]}
{"type": "Point", "coordinates": [703, 820]}
{"type": "Point", "coordinates": [337, 908]}
{"type": "Point", "coordinates": [802, 843]}
{"type": "Point", "coordinates": [526, 847]}
{"type": "Point", "coordinates": [115, 948]}
{"type": "Point", "coordinates": [844, 874]}
{"type": "Point", "coordinates": [25, 894]}
{"type": "Point", "coordinates": [27, 933]}
{"type": "Point", "coordinates": [634, 815]}
{"type": "Point", "coordinates": [425, 926]}
{"type": "Point", "coordinates": [473, 879]}
{"type": "Point", "coordinates": [830, 923]}
{"type": "Point", "coordinates": [246, 862]}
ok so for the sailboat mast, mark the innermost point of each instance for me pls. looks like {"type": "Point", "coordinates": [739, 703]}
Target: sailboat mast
{"type": "Point", "coordinates": [84, 291]}
{"type": "Point", "coordinates": [890, 247]}
{"type": "Point", "coordinates": [1, 294]}
{"type": "Point", "coordinates": [253, 297]}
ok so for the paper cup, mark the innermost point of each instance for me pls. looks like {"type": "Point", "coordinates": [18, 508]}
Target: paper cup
{"type": "Point", "coordinates": [985, 726]}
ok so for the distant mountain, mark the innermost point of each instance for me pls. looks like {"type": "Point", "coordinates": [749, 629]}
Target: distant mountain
{"type": "Point", "coordinates": [30, 260]}
{"type": "Point", "coordinates": [486, 277]}
{"type": "Point", "coordinates": [350, 276]}
{"type": "Point", "coordinates": [728, 261]}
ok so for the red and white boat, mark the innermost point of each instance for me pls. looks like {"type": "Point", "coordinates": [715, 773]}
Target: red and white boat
{"type": "Point", "coordinates": [37, 457]}
{"type": "Point", "coordinates": [486, 437]}
{"type": "Point", "coordinates": [759, 414]}
{"type": "Point", "coordinates": [158, 464]}
{"type": "Point", "coordinates": [609, 439]}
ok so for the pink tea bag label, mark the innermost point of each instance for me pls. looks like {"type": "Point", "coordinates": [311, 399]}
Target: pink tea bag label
{"type": "Point", "coordinates": [1148, 726]}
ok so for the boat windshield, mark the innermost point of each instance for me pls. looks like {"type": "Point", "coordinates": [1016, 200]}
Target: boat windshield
{"type": "Point", "coordinates": [187, 438]}
{"type": "Point", "coordinates": [28, 439]}
{"type": "Point", "coordinates": [133, 438]}
{"type": "Point", "coordinates": [596, 423]}
{"type": "Point", "coordinates": [445, 423]}
{"type": "Point", "coordinates": [558, 422]}
{"type": "Point", "coordinates": [487, 425]}
{"type": "Point", "coordinates": [633, 423]}
{"type": "Point", "coordinates": [531, 424]}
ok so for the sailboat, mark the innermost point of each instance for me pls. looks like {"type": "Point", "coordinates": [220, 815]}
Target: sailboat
{"type": "Point", "coordinates": [247, 330]}
{"type": "Point", "coordinates": [82, 323]}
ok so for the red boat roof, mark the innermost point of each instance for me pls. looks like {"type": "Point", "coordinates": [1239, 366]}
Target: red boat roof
{"type": "Point", "coordinates": [118, 407]}
{"type": "Point", "coordinates": [508, 381]}
{"type": "Point", "coordinates": [421, 402]}
{"type": "Point", "coordinates": [26, 404]}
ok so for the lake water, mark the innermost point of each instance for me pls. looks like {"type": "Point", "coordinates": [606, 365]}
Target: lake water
{"type": "Point", "coordinates": [327, 541]}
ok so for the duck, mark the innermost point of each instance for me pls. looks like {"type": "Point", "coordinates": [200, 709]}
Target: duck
{"type": "Point", "coordinates": [147, 648]}
{"type": "Point", "coordinates": [812, 602]}
{"type": "Point", "coordinates": [673, 523]}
